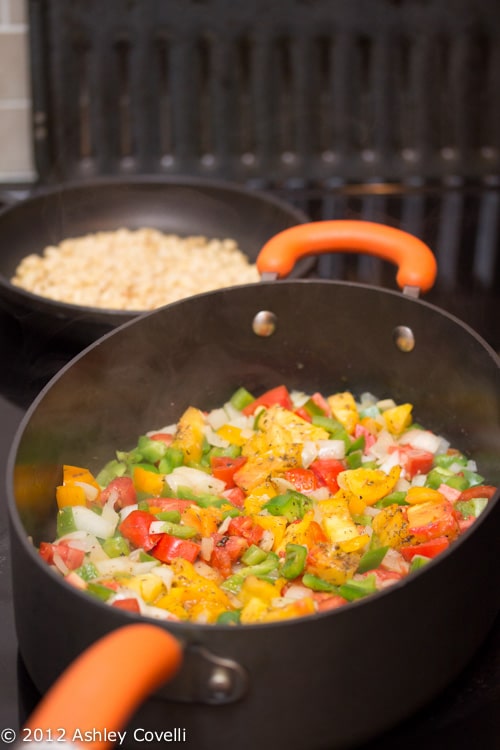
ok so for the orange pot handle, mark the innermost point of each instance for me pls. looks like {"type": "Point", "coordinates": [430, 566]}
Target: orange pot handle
{"type": "Point", "coordinates": [103, 687]}
{"type": "Point", "coordinates": [416, 261]}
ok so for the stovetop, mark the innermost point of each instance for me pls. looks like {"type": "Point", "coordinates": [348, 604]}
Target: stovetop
{"type": "Point", "coordinates": [466, 714]}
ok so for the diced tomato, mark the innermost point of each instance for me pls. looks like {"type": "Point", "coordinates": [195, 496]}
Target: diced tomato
{"type": "Point", "coordinates": [480, 490]}
{"type": "Point", "coordinates": [169, 503]}
{"type": "Point", "coordinates": [321, 401]}
{"type": "Point", "coordinates": [428, 549]}
{"type": "Point", "coordinates": [135, 528]}
{"type": "Point", "coordinates": [245, 527]}
{"type": "Point", "coordinates": [163, 437]}
{"type": "Point", "coordinates": [130, 605]}
{"type": "Point", "coordinates": [304, 480]}
{"type": "Point", "coordinates": [413, 460]}
{"type": "Point", "coordinates": [226, 551]}
{"type": "Point", "coordinates": [450, 493]}
{"type": "Point", "coordinates": [384, 577]}
{"type": "Point", "coordinates": [362, 431]}
{"type": "Point", "coordinates": [123, 488]}
{"type": "Point", "coordinates": [326, 601]}
{"type": "Point", "coordinates": [70, 556]}
{"type": "Point", "coordinates": [327, 471]}
{"type": "Point", "coordinates": [224, 468]}
{"type": "Point", "coordinates": [235, 496]}
{"type": "Point", "coordinates": [169, 547]}
{"type": "Point", "coordinates": [279, 396]}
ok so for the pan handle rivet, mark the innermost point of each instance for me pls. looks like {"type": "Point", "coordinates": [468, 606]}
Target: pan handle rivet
{"type": "Point", "coordinates": [220, 683]}
{"type": "Point", "coordinates": [404, 338]}
{"type": "Point", "coordinates": [264, 323]}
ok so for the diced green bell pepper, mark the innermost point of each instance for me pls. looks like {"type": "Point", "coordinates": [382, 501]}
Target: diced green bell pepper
{"type": "Point", "coordinates": [179, 530]}
{"type": "Point", "coordinates": [318, 584]}
{"type": "Point", "coordinates": [472, 507]}
{"type": "Point", "coordinates": [173, 458]}
{"type": "Point", "coordinates": [241, 398]}
{"type": "Point", "coordinates": [417, 562]}
{"type": "Point", "coordinates": [110, 471]}
{"type": "Point", "coordinates": [253, 555]}
{"type": "Point", "coordinates": [394, 498]}
{"type": "Point", "coordinates": [371, 559]}
{"type": "Point", "coordinates": [116, 546]}
{"type": "Point", "coordinates": [100, 591]}
{"type": "Point", "coordinates": [292, 504]}
{"type": "Point", "coordinates": [295, 561]}
{"type": "Point", "coordinates": [87, 571]}
{"type": "Point", "coordinates": [353, 590]}
{"type": "Point", "coordinates": [65, 521]}
{"type": "Point", "coordinates": [171, 516]}
{"type": "Point", "coordinates": [229, 618]}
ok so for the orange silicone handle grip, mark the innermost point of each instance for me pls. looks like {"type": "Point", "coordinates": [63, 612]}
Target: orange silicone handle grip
{"type": "Point", "coordinates": [100, 690]}
{"type": "Point", "coordinates": [415, 260]}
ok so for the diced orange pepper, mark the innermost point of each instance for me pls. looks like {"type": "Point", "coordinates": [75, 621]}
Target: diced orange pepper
{"type": "Point", "coordinates": [275, 524]}
{"type": "Point", "coordinates": [355, 544]}
{"type": "Point", "coordinates": [423, 495]}
{"type": "Point", "coordinates": [398, 418]}
{"type": "Point", "coordinates": [73, 474]}
{"type": "Point", "coordinates": [232, 434]}
{"type": "Point", "coordinates": [344, 409]}
{"type": "Point", "coordinates": [147, 481]}
{"type": "Point", "coordinates": [70, 494]}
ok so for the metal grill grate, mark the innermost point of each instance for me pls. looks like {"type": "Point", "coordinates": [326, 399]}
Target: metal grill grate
{"type": "Point", "coordinates": [356, 90]}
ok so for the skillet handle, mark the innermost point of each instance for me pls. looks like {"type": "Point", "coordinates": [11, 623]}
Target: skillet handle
{"type": "Point", "coordinates": [416, 261]}
{"type": "Point", "coordinates": [103, 687]}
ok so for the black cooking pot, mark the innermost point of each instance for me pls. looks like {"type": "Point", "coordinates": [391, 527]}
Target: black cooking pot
{"type": "Point", "coordinates": [330, 680]}
{"type": "Point", "coordinates": [182, 206]}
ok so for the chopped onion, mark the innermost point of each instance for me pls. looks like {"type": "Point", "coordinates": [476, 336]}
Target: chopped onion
{"type": "Point", "coordinates": [296, 591]}
{"type": "Point", "coordinates": [390, 462]}
{"type": "Point", "coordinates": [267, 541]}
{"type": "Point", "coordinates": [419, 480]}
{"type": "Point", "coordinates": [298, 398]}
{"type": "Point", "coordinates": [80, 540]}
{"type": "Point", "coordinates": [60, 564]}
{"type": "Point", "coordinates": [402, 485]}
{"type": "Point", "coordinates": [157, 527]}
{"type": "Point", "coordinates": [224, 525]}
{"type": "Point", "coordinates": [214, 439]}
{"type": "Point", "coordinates": [207, 547]}
{"type": "Point", "coordinates": [282, 485]}
{"type": "Point", "coordinates": [124, 565]}
{"type": "Point", "coordinates": [196, 480]}
{"type": "Point", "coordinates": [424, 440]}
{"type": "Point", "coordinates": [309, 453]}
{"type": "Point", "coordinates": [91, 492]}
{"type": "Point", "coordinates": [108, 511]}
{"type": "Point", "coordinates": [86, 520]}
{"type": "Point", "coordinates": [331, 448]}
{"type": "Point", "coordinates": [369, 511]}
{"type": "Point", "coordinates": [322, 493]}
{"type": "Point", "coordinates": [386, 403]}
{"type": "Point", "coordinates": [124, 512]}
{"type": "Point", "coordinates": [166, 574]}
{"type": "Point", "coordinates": [206, 571]}
{"type": "Point", "coordinates": [216, 418]}
{"type": "Point", "coordinates": [380, 448]}
{"type": "Point", "coordinates": [169, 429]}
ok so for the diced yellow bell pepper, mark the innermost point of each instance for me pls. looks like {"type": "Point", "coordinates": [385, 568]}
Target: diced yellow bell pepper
{"type": "Point", "coordinates": [356, 544]}
{"type": "Point", "coordinates": [257, 611]}
{"type": "Point", "coordinates": [259, 495]}
{"type": "Point", "coordinates": [232, 434]}
{"type": "Point", "coordinates": [391, 526]}
{"type": "Point", "coordinates": [173, 602]}
{"type": "Point", "coordinates": [253, 611]}
{"type": "Point", "coordinates": [344, 409]}
{"type": "Point", "coordinates": [206, 612]}
{"type": "Point", "coordinates": [147, 585]}
{"type": "Point", "coordinates": [371, 424]}
{"type": "Point", "coordinates": [263, 590]}
{"type": "Point", "coordinates": [423, 495]}
{"type": "Point", "coordinates": [189, 435]}
{"type": "Point", "coordinates": [369, 485]}
{"type": "Point", "coordinates": [275, 524]}
{"type": "Point", "coordinates": [303, 532]}
{"type": "Point", "coordinates": [398, 418]}
{"type": "Point", "coordinates": [336, 518]}
{"type": "Point", "coordinates": [204, 520]}
{"type": "Point", "coordinates": [70, 494]}
{"type": "Point", "coordinates": [147, 481]}
{"type": "Point", "coordinates": [332, 564]}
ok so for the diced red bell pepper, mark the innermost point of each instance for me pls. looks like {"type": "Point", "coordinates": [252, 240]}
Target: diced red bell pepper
{"type": "Point", "coordinates": [327, 471]}
{"type": "Point", "coordinates": [362, 431]}
{"type": "Point", "coordinates": [169, 547]}
{"type": "Point", "coordinates": [245, 527]}
{"type": "Point", "coordinates": [225, 467]}
{"type": "Point", "coordinates": [123, 488]}
{"type": "Point", "coordinates": [135, 528]}
{"type": "Point", "coordinates": [130, 604]}
{"type": "Point", "coordinates": [480, 490]}
{"type": "Point", "coordinates": [276, 396]}
{"type": "Point", "coordinates": [70, 556]}
{"type": "Point", "coordinates": [428, 549]}
{"type": "Point", "coordinates": [235, 496]}
{"type": "Point", "coordinates": [304, 480]}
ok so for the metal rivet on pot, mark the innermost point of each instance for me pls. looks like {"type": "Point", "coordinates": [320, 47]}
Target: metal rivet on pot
{"type": "Point", "coordinates": [220, 683]}
{"type": "Point", "coordinates": [404, 338]}
{"type": "Point", "coordinates": [264, 323]}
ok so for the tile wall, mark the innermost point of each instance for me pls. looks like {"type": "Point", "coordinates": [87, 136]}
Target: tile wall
{"type": "Point", "coordinates": [16, 160]}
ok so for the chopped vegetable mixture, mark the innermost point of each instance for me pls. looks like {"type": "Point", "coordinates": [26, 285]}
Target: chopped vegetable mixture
{"type": "Point", "coordinates": [268, 508]}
